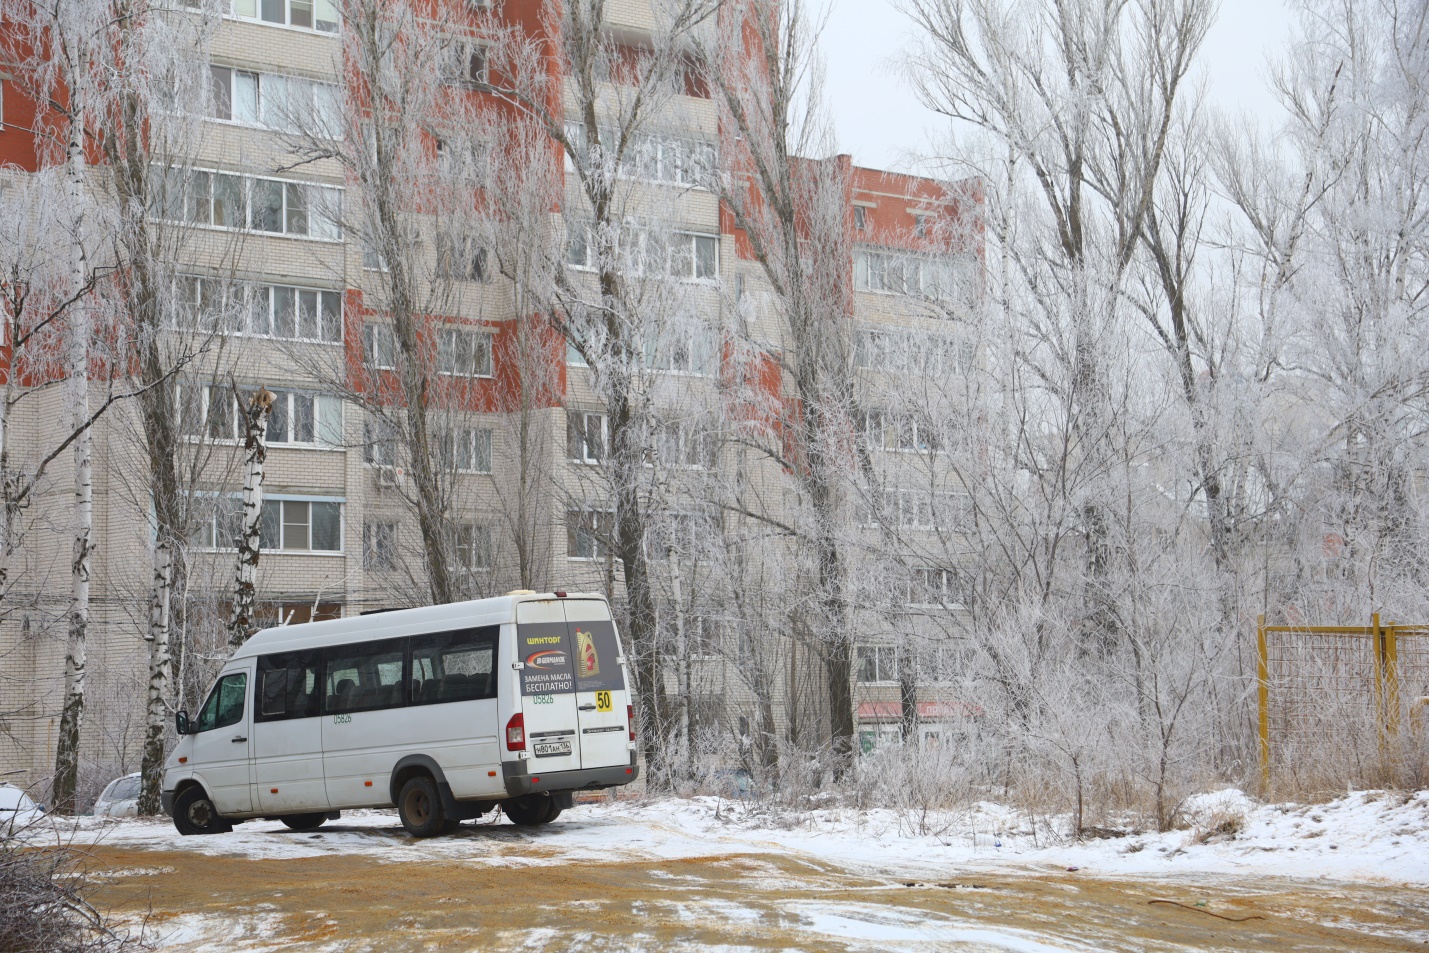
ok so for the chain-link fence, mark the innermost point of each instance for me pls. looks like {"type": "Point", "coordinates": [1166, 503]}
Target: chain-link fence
{"type": "Point", "coordinates": [1343, 706]}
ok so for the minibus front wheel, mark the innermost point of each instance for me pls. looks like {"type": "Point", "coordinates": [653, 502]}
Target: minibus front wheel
{"type": "Point", "coordinates": [194, 813]}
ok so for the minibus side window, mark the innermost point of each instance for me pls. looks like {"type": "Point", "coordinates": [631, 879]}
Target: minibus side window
{"type": "Point", "coordinates": [364, 676]}
{"type": "Point", "coordinates": [453, 666]}
{"type": "Point", "coordinates": [288, 686]}
{"type": "Point", "coordinates": [225, 703]}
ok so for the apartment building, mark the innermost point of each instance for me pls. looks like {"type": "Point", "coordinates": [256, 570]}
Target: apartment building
{"type": "Point", "coordinates": [282, 290]}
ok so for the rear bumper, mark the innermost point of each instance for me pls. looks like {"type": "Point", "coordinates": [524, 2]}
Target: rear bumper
{"type": "Point", "coordinates": [519, 779]}
{"type": "Point", "coordinates": [166, 801]}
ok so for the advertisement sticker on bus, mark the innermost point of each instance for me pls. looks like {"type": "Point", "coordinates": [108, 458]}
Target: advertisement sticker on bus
{"type": "Point", "coordinates": [545, 651]}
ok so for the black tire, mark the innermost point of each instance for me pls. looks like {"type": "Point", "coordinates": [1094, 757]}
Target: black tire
{"type": "Point", "coordinates": [420, 807]}
{"type": "Point", "coordinates": [530, 810]}
{"type": "Point", "coordinates": [303, 822]}
{"type": "Point", "coordinates": [194, 813]}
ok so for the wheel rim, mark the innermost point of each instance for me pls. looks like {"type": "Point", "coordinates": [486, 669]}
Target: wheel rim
{"type": "Point", "coordinates": [419, 808]}
{"type": "Point", "coordinates": [200, 813]}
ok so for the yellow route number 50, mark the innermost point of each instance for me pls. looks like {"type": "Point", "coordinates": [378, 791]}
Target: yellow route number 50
{"type": "Point", "coordinates": [602, 701]}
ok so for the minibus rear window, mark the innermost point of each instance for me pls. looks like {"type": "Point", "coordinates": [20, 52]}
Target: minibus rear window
{"type": "Point", "coordinates": [453, 666]}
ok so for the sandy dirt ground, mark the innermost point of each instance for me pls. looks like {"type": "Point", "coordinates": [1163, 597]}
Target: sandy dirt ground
{"type": "Point", "coordinates": [496, 887]}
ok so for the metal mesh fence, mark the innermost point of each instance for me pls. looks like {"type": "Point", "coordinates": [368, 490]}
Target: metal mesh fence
{"type": "Point", "coordinates": [1343, 706]}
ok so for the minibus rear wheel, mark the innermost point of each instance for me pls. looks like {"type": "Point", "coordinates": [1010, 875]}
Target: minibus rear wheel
{"type": "Point", "coordinates": [420, 808]}
{"type": "Point", "coordinates": [303, 822]}
{"type": "Point", "coordinates": [531, 810]}
{"type": "Point", "coordinates": [194, 813]}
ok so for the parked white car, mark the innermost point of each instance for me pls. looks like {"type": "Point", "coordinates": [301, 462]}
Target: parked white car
{"type": "Point", "coordinates": [16, 808]}
{"type": "Point", "coordinates": [120, 797]}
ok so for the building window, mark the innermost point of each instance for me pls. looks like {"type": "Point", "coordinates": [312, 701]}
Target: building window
{"type": "Point", "coordinates": [275, 206]}
{"type": "Point", "coordinates": [320, 15]}
{"type": "Point", "coordinates": [588, 533]}
{"type": "Point", "coordinates": [682, 444]}
{"type": "Point", "coordinates": [460, 258]}
{"type": "Point", "coordinates": [379, 346]}
{"type": "Point", "coordinates": [302, 525]}
{"type": "Point", "coordinates": [304, 418]}
{"type": "Point", "coordinates": [664, 159]}
{"type": "Point", "coordinates": [464, 353]}
{"type": "Point", "coordinates": [467, 449]}
{"type": "Point", "coordinates": [379, 545]}
{"type": "Point", "coordinates": [898, 351]}
{"type": "Point", "coordinates": [918, 510]}
{"type": "Point", "coordinates": [692, 353]}
{"type": "Point", "coordinates": [272, 101]}
{"type": "Point", "coordinates": [218, 521]}
{"type": "Point", "coordinates": [267, 311]}
{"type": "Point", "coordinates": [933, 586]}
{"type": "Point", "coordinates": [379, 444]}
{"type": "Point", "coordinates": [877, 663]}
{"type": "Point", "coordinates": [465, 64]}
{"type": "Point", "coordinates": [673, 534]}
{"type": "Point", "coordinates": [647, 251]}
{"type": "Point", "coordinates": [903, 273]}
{"type": "Point", "coordinates": [472, 547]}
{"type": "Point", "coordinates": [920, 226]}
{"type": "Point", "coordinates": [888, 430]}
{"type": "Point", "coordinates": [705, 635]}
{"type": "Point", "coordinates": [586, 437]}
{"type": "Point", "coordinates": [860, 218]}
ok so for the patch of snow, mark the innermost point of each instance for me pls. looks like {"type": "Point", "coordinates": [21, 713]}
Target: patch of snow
{"type": "Point", "coordinates": [1367, 835]}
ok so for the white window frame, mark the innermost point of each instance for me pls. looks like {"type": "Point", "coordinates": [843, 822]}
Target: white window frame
{"type": "Point", "coordinates": [476, 442]}
{"type": "Point", "coordinates": [330, 233]}
{"type": "Point", "coordinates": [240, 300]}
{"type": "Point", "coordinates": [582, 434]}
{"type": "Point", "coordinates": [279, 100]}
{"type": "Point", "coordinates": [461, 258]}
{"type": "Point", "coordinates": [324, 406]}
{"type": "Point", "coordinates": [481, 348]}
{"type": "Point", "coordinates": [885, 664]}
{"type": "Point", "coordinates": [210, 529]}
{"type": "Point", "coordinates": [379, 346]}
{"type": "Point", "coordinates": [477, 542]}
{"type": "Point", "coordinates": [456, 66]}
{"type": "Point", "coordinates": [594, 525]}
{"type": "Point", "coordinates": [937, 587]}
{"type": "Point", "coordinates": [373, 546]}
{"type": "Point", "coordinates": [237, 8]}
{"type": "Point", "coordinates": [658, 158]}
{"type": "Point", "coordinates": [282, 500]}
{"type": "Point", "coordinates": [378, 440]}
{"type": "Point", "coordinates": [634, 240]}
{"type": "Point", "coordinates": [885, 430]}
{"type": "Point", "coordinates": [677, 441]}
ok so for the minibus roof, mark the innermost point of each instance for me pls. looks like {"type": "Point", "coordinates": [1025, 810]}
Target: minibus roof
{"type": "Point", "coordinates": [398, 622]}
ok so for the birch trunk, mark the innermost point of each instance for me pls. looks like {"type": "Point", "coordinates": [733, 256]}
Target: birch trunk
{"type": "Point", "coordinates": [156, 712]}
{"type": "Point", "coordinates": [77, 395]}
{"type": "Point", "coordinates": [255, 444]}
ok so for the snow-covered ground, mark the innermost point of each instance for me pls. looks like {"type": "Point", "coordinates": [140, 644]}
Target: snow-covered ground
{"type": "Point", "coordinates": [1364, 836]}
{"type": "Point", "coordinates": [713, 874]}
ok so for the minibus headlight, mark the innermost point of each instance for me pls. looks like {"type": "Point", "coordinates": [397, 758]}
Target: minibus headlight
{"type": "Point", "coordinates": [516, 733]}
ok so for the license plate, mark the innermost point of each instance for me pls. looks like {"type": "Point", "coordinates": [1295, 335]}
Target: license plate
{"type": "Point", "coordinates": [551, 749]}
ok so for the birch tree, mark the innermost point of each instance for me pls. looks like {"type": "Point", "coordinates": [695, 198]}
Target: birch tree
{"type": "Point", "coordinates": [790, 203]}
{"type": "Point", "coordinates": [630, 310]}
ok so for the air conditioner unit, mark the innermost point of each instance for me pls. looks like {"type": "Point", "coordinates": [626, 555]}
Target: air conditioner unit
{"type": "Point", "coordinates": [386, 476]}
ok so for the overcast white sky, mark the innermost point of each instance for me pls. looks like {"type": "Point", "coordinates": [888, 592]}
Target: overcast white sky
{"type": "Point", "coordinates": [878, 119]}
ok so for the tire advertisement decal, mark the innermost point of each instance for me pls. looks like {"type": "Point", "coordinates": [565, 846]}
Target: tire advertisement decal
{"type": "Point", "coordinates": [545, 652]}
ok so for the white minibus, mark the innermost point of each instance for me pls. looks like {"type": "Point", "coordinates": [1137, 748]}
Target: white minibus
{"type": "Point", "coordinates": [443, 711]}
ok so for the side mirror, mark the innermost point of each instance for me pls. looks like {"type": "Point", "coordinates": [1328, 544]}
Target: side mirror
{"type": "Point", "coordinates": [181, 722]}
